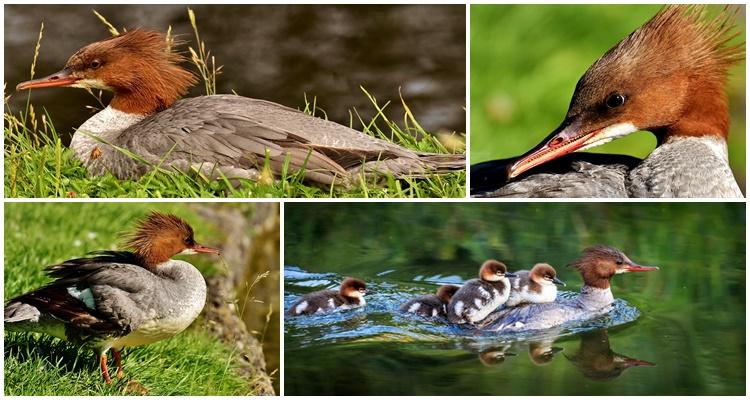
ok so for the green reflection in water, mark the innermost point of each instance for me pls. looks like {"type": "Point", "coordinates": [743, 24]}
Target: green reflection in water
{"type": "Point", "coordinates": [693, 310]}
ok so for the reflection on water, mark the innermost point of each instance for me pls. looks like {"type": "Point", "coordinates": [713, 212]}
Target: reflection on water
{"type": "Point", "coordinates": [272, 52]}
{"type": "Point", "coordinates": [684, 327]}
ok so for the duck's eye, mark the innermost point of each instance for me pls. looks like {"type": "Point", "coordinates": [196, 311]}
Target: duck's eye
{"type": "Point", "coordinates": [615, 100]}
{"type": "Point", "coordinates": [95, 64]}
{"type": "Point", "coordinates": [619, 262]}
{"type": "Point", "coordinates": [189, 240]}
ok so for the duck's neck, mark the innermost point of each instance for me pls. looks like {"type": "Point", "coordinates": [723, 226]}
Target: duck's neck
{"type": "Point", "coordinates": [595, 298]}
{"type": "Point", "coordinates": [105, 126]}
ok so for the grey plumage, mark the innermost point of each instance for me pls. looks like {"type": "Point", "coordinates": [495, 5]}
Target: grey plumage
{"type": "Point", "coordinates": [124, 297]}
{"type": "Point", "coordinates": [672, 171]}
{"type": "Point", "coordinates": [586, 180]}
{"type": "Point", "coordinates": [234, 134]}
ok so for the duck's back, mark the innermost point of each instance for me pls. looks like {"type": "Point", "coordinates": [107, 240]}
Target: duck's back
{"type": "Point", "coordinates": [238, 134]}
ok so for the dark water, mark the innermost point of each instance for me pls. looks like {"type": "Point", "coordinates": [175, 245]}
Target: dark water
{"type": "Point", "coordinates": [678, 331]}
{"type": "Point", "coordinates": [272, 52]}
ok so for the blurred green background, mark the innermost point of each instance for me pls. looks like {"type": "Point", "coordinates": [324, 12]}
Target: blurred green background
{"type": "Point", "coordinates": [527, 59]}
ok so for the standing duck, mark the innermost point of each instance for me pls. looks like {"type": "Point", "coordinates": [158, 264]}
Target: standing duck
{"type": "Point", "coordinates": [219, 135]}
{"type": "Point", "coordinates": [351, 294]}
{"type": "Point", "coordinates": [477, 298]}
{"type": "Point", "coordinates": [117, 299]}
{"type": "Point", "coordinates": [667, 77]}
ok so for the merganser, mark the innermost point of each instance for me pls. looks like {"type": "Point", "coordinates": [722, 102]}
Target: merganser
{"type": "Point", "coordinates": [351, 294]}
{"type": "Point", "coordinates": [117, 299]}
{"type": "Point", "coordinates": [535, 286]}
{"type": "Point", "coordinates": [477, 298]}
{"type": "Point", "coordinates": [217, 135]}
{"type": "Point", "coordinates": [431, 305]}
{"type": "Point", "coordinates": [597, 265]}
{"type": "Point", "coordinates": [667, 77]}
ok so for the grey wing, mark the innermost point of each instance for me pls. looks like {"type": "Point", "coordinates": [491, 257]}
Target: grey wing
{"type": "Point", "coordinates": [124, 293]}
{"type": "Point", "coordinates": [238, 132]}
{"type": "Point", "coordinates": [587, 180]}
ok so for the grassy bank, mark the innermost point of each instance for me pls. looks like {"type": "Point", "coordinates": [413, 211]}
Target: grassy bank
{"type": "Point", "coordinates": [38, 235]}
{"type": "Point", "coordinates": [38, 164]}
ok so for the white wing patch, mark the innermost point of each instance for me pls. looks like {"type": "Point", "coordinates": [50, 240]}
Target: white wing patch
{"type": "Point", "coordinates": [84, 295]}
{"type": "Point", "coordinates": [300, 307]}
{"type": "Point", "coordinates": [414, 307]}
{"type": "Point", "coordinates": [458, 308]}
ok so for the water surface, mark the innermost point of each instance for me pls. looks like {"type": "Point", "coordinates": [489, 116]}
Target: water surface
{"type": "Point", "coordinates": [678, 331]}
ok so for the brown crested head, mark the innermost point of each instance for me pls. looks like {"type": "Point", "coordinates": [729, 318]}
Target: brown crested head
{"type": "Point", "coordinates": [492, 271]}
{"type": "Point", "coordinates": [139, 66]}
{"type": "Point", "coordinates": [666, 77]}
{"type": "Point", "coordinates": [544, 274]}
{"type": "Point", "coordinates": [353, 287]}
{"type": "Point", "coordinates": [598, 264]}
{"type": "Point", "coordinates": [446, 292]}
{"type": "Point", "coordinates": [160, 236]}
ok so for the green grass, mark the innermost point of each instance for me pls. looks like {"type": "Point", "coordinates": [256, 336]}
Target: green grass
{"type": "Point", "coordinates": [37, 164]}
{"type": "Point", "coordinates": [42, 234]}
{"type": "Point", "coordinates": [526, 61]}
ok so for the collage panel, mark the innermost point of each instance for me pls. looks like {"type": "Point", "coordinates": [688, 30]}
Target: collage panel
{"type": "Point", "coordinates": [664, 84]}
{"type": "Point", "coordinates": [98, 305]}
{"type": "Point", "coordinates": [514, 299]}
{"type": "Point", "coordinates": [235, 100]}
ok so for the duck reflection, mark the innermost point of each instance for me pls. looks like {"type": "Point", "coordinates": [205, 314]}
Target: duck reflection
{"type": "Point", "coordinates": [594, 356]}
{"type": "Point", "coordinates": [596, 360]}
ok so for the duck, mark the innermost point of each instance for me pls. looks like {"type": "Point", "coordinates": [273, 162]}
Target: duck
{"type": "Point", "coordinates": [477, 298]}
{"type": "Point", "coordinates": [351, 294]}
{"type": "Point", "coordinates": [148, 124]}
{"type": "Point", "coordinates": [431, 305]}
{"type": "Point", "coordinates": [667, 77]}
{"type": "Point", "coordinates": [110, 300]}
{"type": "Point", "coordinates": [535, 286]}
{"type": "Point", "coordinates": [597, 265]}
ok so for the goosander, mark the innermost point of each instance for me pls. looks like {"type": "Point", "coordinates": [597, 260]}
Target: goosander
{"type": "Point", "coordinates": [597, 265]}
{"type": "Point", "coordinates": [217, 135]}
{"type": "Point", "coordinates": [667, 77]}
{"type": "Point", "coordinates": [477, 298]}
{"type": "Point", "coordinates": [117, 299]}
{"type": "Point", "coordinates": [430, 305]}
{"type": "Point", "coordinates": [535, 286]}
{"type": "Point", "coordinates": [351, 294]}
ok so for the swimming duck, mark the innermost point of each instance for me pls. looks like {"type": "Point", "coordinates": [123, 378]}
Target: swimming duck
{"type": "Point", "coordinates": [351, 294]}
{"type": "Point", "coordinates": [431, 305]}
{"type": "Point", "coordinates": [535, 286]}
{"type": "Point", "coordinates": [477, 298]}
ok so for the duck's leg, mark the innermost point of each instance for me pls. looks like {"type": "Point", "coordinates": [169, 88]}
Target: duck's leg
{"type": "Point", "coordinates": [105, 371]}
{"type": "Point", "coordinates": [118, 362]}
